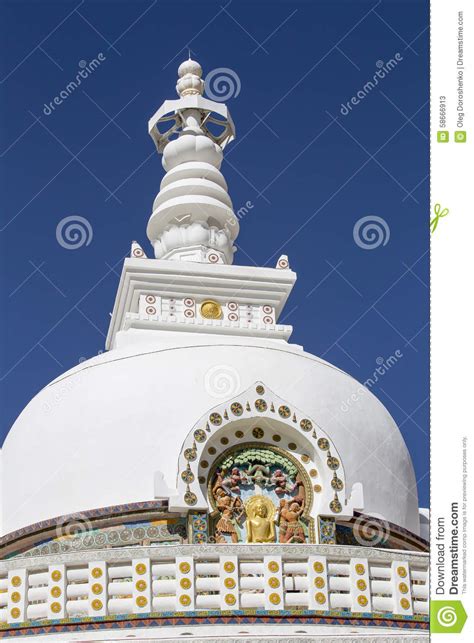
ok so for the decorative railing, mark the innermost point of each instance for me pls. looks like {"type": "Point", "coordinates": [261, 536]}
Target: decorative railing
{"type": "Point", "coordinates": [185, 578]}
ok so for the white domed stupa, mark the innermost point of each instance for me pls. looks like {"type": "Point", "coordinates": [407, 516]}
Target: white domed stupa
{"type": "Point", "coordinates": [204, 478]}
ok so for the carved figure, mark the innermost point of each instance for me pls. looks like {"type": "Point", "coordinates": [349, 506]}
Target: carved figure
{"type": "Point", "coordinates": [260, 520]}
{"type": "Point", "coordinates": [291, 527]}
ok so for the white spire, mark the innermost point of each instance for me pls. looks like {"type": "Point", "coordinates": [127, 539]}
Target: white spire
{"type": "Point", "coordinates": [193, 217]}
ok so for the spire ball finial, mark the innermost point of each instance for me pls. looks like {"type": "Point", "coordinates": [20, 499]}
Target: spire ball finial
{"type": "Point", "coordinates": [189, 78]}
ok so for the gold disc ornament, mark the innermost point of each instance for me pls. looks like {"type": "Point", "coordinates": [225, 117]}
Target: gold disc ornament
{"type": "Point", "coordinates": [211, 309]}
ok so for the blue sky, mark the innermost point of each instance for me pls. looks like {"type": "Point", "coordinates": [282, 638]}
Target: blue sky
{"type": "Point", "coordinates": [310, 172]}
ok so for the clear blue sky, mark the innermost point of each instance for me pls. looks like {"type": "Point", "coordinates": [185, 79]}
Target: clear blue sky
{"type": "Point", "coordinates": [308, 177]}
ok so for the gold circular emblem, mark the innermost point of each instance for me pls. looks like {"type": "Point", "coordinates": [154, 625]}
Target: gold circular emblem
{"type": "Point", "coordinates": [362, 600]}
{"type": "Point", "coordinates": [260, 390]}
{"type": "Point", "coordinates": [273, 582]}
{"type": "Point", "coordinates": [274, 599]}
{"type": "Point", "coordinates": [405, 603]}
{"type": "Point", "coordinates": [361, 585]}
{"type": "Point", "coordinates": [185, 600]}
{"type": "Point", "coordinates": [216, 419]}
{"type": "Point", "coordinates": [313, 473]}
{"type": "Point", "coordinates": [401, 571]}
{"type": "Point", "coordinates": [403, 587]}
{"type": "Point", "coordinates": [16, 597]}
{"type": "Point", "coordinates": [141, 585]}
{"type": "Point", "coordinates": [96, 604]}
{"type": "Point", "coordinates": [56, 591]}
{"type": "Point", "coordinates": [229, 583]}
{"type": "Point", "coordinates": [97, 588]}
{"type": "Point", "coordinates": [319, 582]}
{"type": "Point", "coordinates": [318, 567]}
{"type": "Point", "coordinates": [360, 569]}
{"type": "Point", "coordinates": [230, 599]}
{"type": "Point", "coordinates": [258, 433]}
{"type": "Point", "coordinates": [291, 446]}
{"type": "Point", "coordinates": [229, 567]}
{"type": "Point", "coordinates": [320, 598]}
{"type": "Point", "coordinates": [96, 573]}
{"type": "Point", "coordinates": [184, 567]}
{"type": "Point", "coordinates": [141, 601]}
{"type": "Point", "coordinates": [185, 583]}
{"type": "Point", "coordinates": [55, 608]}
{"type": "Point", "coordinates": [273, 566]}
{"type": "Point", "coordinates": [317, 488]}
{"type": "Point", "coordinates": [140, 568]}
{"type": "Point", "coordinates": [305, 458]}
{"type": "Point", "coordinates": [239, 434]}
{"type": "Point", "coordinates": [211, 309]}
{"type": "Point", "coordinates": [16, 581]}
{"type": "Point", "coordinates": [15, 612]}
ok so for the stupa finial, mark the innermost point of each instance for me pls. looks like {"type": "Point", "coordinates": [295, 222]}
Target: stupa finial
{"type": "Point", "coordinates": [189, 78]}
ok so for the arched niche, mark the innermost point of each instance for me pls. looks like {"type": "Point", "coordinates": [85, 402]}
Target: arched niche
{"type": "Point", "coordinates": [259, 415]}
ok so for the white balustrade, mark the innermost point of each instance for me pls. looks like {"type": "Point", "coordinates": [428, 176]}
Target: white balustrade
{"type": "Point", "coordinates": [193, 578]}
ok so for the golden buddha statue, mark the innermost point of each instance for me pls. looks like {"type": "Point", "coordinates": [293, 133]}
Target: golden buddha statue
{"type": "Point", "coordinates": [260, 522]}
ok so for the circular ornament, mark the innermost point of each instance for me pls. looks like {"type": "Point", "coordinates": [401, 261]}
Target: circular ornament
{"type": "Point", "coordinates": [291, 446]}
{"type": "Point", "coordinates": [141, 601]}
{"type": "Point", "coordinates": [260, 390]}
{"type": "Point", "coordinates": [150, 299]}
{"type": "Point", "coordinates": [211, 309]}
{"type": "Point", "coordinates": [229, 567]}
{"type": "Point", "coordinates": [267, 309]}
{"type": "Point", "coordinates": [360, 569]}
{"type": "Point", "coordinates": [274, 599]}
{"type": "Point", "coordinates": [185, 600]}
{"type": "Point", "coordinates": [319, 582]}
{"type": "Point", "coordinates": [96, 573]}
{"type": "Point", "coordinates": [16, 597]}
{"type": "Point", "coordinates": [317, 488]}
{"type": "Point", "coordinates": [239, 434]}
{"type": "Point", "coordinates": [305, 458]}
{"type": "Point", "coordinates": [96, 604]}
{"type": "Point", "coordinates": [318, 567]}
{"type": "Point", "coordinates": [306, 425]}
{"type": "Point", "coordinates": [320, 598]}
{"type": "Point", "coordinates": [362, 600]}
{"type": "Point", "coordinates": [224, 440]}
{"type": "Point", "coordinates": [16, 581]}
{"type": "Point", "coordinates": [189, 302]}
{"type": "Point", "coordinates": [212, 450]}
{"type": "Point", "coordinates": [260, 405]}
{"type": "Point", "coordinates": [185, 583]}
{"type": "Point", "coordinates": [56, 591]}
{"type": "Point", "coordinates": [402, 572]}
{"type": "Point", "coordinates": [258, 433]}
{"type": "Point", "coordinates": [96, 588]}
{"type": "Point", "coordinates": [337, 484]}
{"type": "Point", "coordinates": [361, 585]}
{"type": "Point", "coordinates": [405, 603]}
{"type": "Point", "coordinates": [205, 463]}
{"type": "Point", "coordinates": [284, 412]}
{"type": "Point", "coordinates": [236, 408]}
{"type": "Point", "coordinates": [230, 599]}
{"type": "Point", "coordinates": [267, 320]}
{"type": "Point", "coordinates": [187, 477]}
{"type": "Point", "coordinates": [229, 583]}
{"type": "Point", "coordinates": [140, 568]}
{"type": "Point", "coordinates": [276, 438]}
{"type": "Point", "coordinates": [55, 608]}
{"type": "Point", "coordinates": [333, 463]}
{"type": "Point", "coordinates": [232, 306]}
{"type": "Point", "coordinates": [233, 317]}
{"type": "Point", "coordinates": [150, 310]}
{"type": "Point", "coordinates": [216, 419]}
{"type": "Point", "coordinates": [15, 612]}
{"type": "Point", "coordinates": [273, 566]}
{"type": "Point", "coordinates": [403, 587]}
{"type": "Point", "coordinates": [201, 480]}
{"type": "Point", "coordinates": [200, 435]}
{"type": "Point", "coordinates": [190, 498]}
{"type": "Point", "coordinates": [188, 312]}
{"type": "Point", "coordinates": [213, 258]}
{"type": "Point", "coordinates": [282, 263]}
{"type": "Point", "coordinates": [323, 444]}
{"type": "Point", "coordinates": [184, 567]}
{"type": "Point", "coordinates": [273, 582]}
{"type": "Point", "coordinates": [313, 473]}
{"type": "Point", "coordinates": [190, 454]}
{"type": "Point", "coordinates": [138, 253]}
{"type": "Point", "coordinates": [141, 585]}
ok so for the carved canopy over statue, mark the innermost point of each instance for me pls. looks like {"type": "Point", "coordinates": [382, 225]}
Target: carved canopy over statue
{"type": "Point", "coordinates": [259, 496]}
